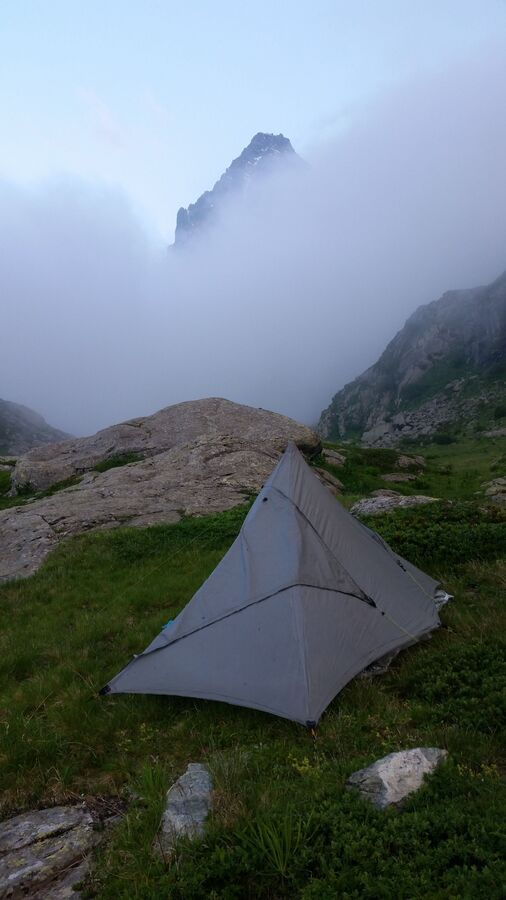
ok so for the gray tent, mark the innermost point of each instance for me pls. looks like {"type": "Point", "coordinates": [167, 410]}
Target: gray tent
{"type": "Point", "coordinates": [305, 598]}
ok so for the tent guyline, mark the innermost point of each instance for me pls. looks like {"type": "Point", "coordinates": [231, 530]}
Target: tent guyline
{"type": "Point", "coordinates": [305, 598]}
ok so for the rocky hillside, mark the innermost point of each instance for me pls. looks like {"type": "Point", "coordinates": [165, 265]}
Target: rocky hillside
{"type": "Point", "coordinates": [21, 429]}
{"type": "Point", "coordinates": [445, 370]}
{"type": "Point", "coordinates": [193, 458]}
{"type": "Point", "coordinates": [260, 156]}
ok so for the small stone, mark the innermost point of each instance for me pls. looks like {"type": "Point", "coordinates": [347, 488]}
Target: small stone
{"type": "Point", "coordinates": [409, 462]}
{"type": "Point", "coordinates": [398, 477]}
{"type": "Point", "coordinates": [495, 432]}
{"type": "Point", "coordinates": [385, 492]}
{"type": "Point", "coordinates": [187, 805]}
{"type": "Point", "coordinates": [496, 490]}
{"type": "Point", "coordinates": [333, 457]}
{"type": "Point", "coordinates": [389, 780]}
{"type": "Point", "coordinates": [386, 501]}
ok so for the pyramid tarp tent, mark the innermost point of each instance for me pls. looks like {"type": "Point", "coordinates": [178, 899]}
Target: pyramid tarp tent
{"type": "Point", "coordinates": [305, 598]}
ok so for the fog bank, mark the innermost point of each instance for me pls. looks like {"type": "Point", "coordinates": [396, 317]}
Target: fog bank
{"type": "Point", "coordinates": [282, 303]}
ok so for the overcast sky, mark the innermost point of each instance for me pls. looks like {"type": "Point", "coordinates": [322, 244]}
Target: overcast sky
{"type": "Point", "coordinates": [158, 96]}
{"type": "Point", "coordinates": [114, 114]}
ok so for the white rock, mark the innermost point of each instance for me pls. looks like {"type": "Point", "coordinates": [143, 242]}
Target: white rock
{"type": "Point", "coordinates": [385, 501]}
{"type": "Point", "coordinates": [496, 490]}
{"type": "Point", "coordinates": [408, 462]}
{"type": "Point", "coordinates": [333, 457]}
{"type": "Point", "coordinates": [394, 777]}
{"type": "Point", "coordinates": [187, 805]}
{"type": "Point", "coordinates": [398, 477]}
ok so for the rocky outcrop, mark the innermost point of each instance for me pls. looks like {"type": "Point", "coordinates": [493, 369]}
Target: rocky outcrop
{"type": "Point", "coordinates": [187, 805]}
{"type": "Point", "coordinates": [495, 491]}
{"type": "Point", "coordinates": [260, 157]}
{"type": "Point", "coordinates": [21, 429]}
{"type": "Point", "coordinates": [439, 414]}
{"type": "Point", "coordinates": [390, 780]}
{"type": "Point", "coordinates": [44, 853]}
{"type": "Point", "coordinates": [385, 501]}
{"type": "Point", "coordinates": [447, 365]}
{"type": "Point", "coordinates": [195, 477]}
{"type": "Point", "coordinates": [172, 427]}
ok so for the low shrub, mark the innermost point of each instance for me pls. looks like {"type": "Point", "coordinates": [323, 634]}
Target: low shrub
{"type": "Point", "coordinates": [448, 842]}
{"type": "Point", "coordinates": [463, 685]}
{"type": "Point", "coordinates": [443, 437]}
{"type": "Point", "coordinates": [114, 462]}
{"type": "Point", "coordinates": [444, 532]}
{"type": "Point", "coordinates": [5, 482]}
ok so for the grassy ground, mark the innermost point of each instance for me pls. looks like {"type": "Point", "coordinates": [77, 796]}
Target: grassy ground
{"type": "Point", "coordinates": [453, 471]}
{"type": "Point", "coordinates": [283, 825]}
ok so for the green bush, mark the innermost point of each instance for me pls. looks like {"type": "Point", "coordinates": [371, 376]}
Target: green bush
{"type": "Point", "coordinates": [449, 842]}
{"type": "Point", "coordinates": [500, 411]}
{"type": "Point", "coordinates": [463, 685]}
{"type": "Point", "coordinates": [5, 482]}
{"type": "Point", "coordinates": [121, 459]}
{"type": "Point", "coordinates": [362, 470]}
{"type": "Point", "coordinates": [443, 437]}
{"type": "Point", "coordinates": [444, 533]}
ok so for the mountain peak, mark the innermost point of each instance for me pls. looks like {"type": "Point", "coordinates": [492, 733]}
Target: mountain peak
{"type": "Point", "coordinates": [445, 369]}
{"type": "Point", "coordinates": [262, 143]}
{"type": "Point", "coordinates": [263, 152]}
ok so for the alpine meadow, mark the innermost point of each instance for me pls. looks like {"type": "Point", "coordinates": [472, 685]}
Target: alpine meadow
{"type": "Point", "coordinates": [253, 451]}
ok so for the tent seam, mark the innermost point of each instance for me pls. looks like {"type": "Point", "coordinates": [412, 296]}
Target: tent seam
{"type": "Point", "coordinates": [324, 544]}
{"type": "Point", "coordinates": [233, 612]}
{"type": "Point", "coordinates": [302, 638]}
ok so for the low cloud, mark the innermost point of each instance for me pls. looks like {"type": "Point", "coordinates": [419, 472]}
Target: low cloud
{"type": "Point", "coordinates": [285, 300]}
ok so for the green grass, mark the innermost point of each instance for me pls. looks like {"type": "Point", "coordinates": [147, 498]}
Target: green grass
{"type": "Point", "coordinates": [283, 825]}
{"type": "Point", "coordinates": [26, 493]}
{"type": "Point", "coordinates": [453, 471]}
{"type": "Point", "coordinates": [113, 462]}
{"type": "Point", "coordinates": [5, 482]}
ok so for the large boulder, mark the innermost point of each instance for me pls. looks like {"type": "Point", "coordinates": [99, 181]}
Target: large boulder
{"type": "Point", "coordinates": [172, 427]}
{"type": "Point", "coordinates": [212, 473]}
{"type": "Point", "coordinates": [390, 780]}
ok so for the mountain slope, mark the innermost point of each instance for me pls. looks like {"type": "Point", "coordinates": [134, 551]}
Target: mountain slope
{"type": "Point", "coordinates": [263, 153]}
{"type": "Point", "coordinates": [21, 429]}
{"type": "Point", "coordinates": [445, 368]}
